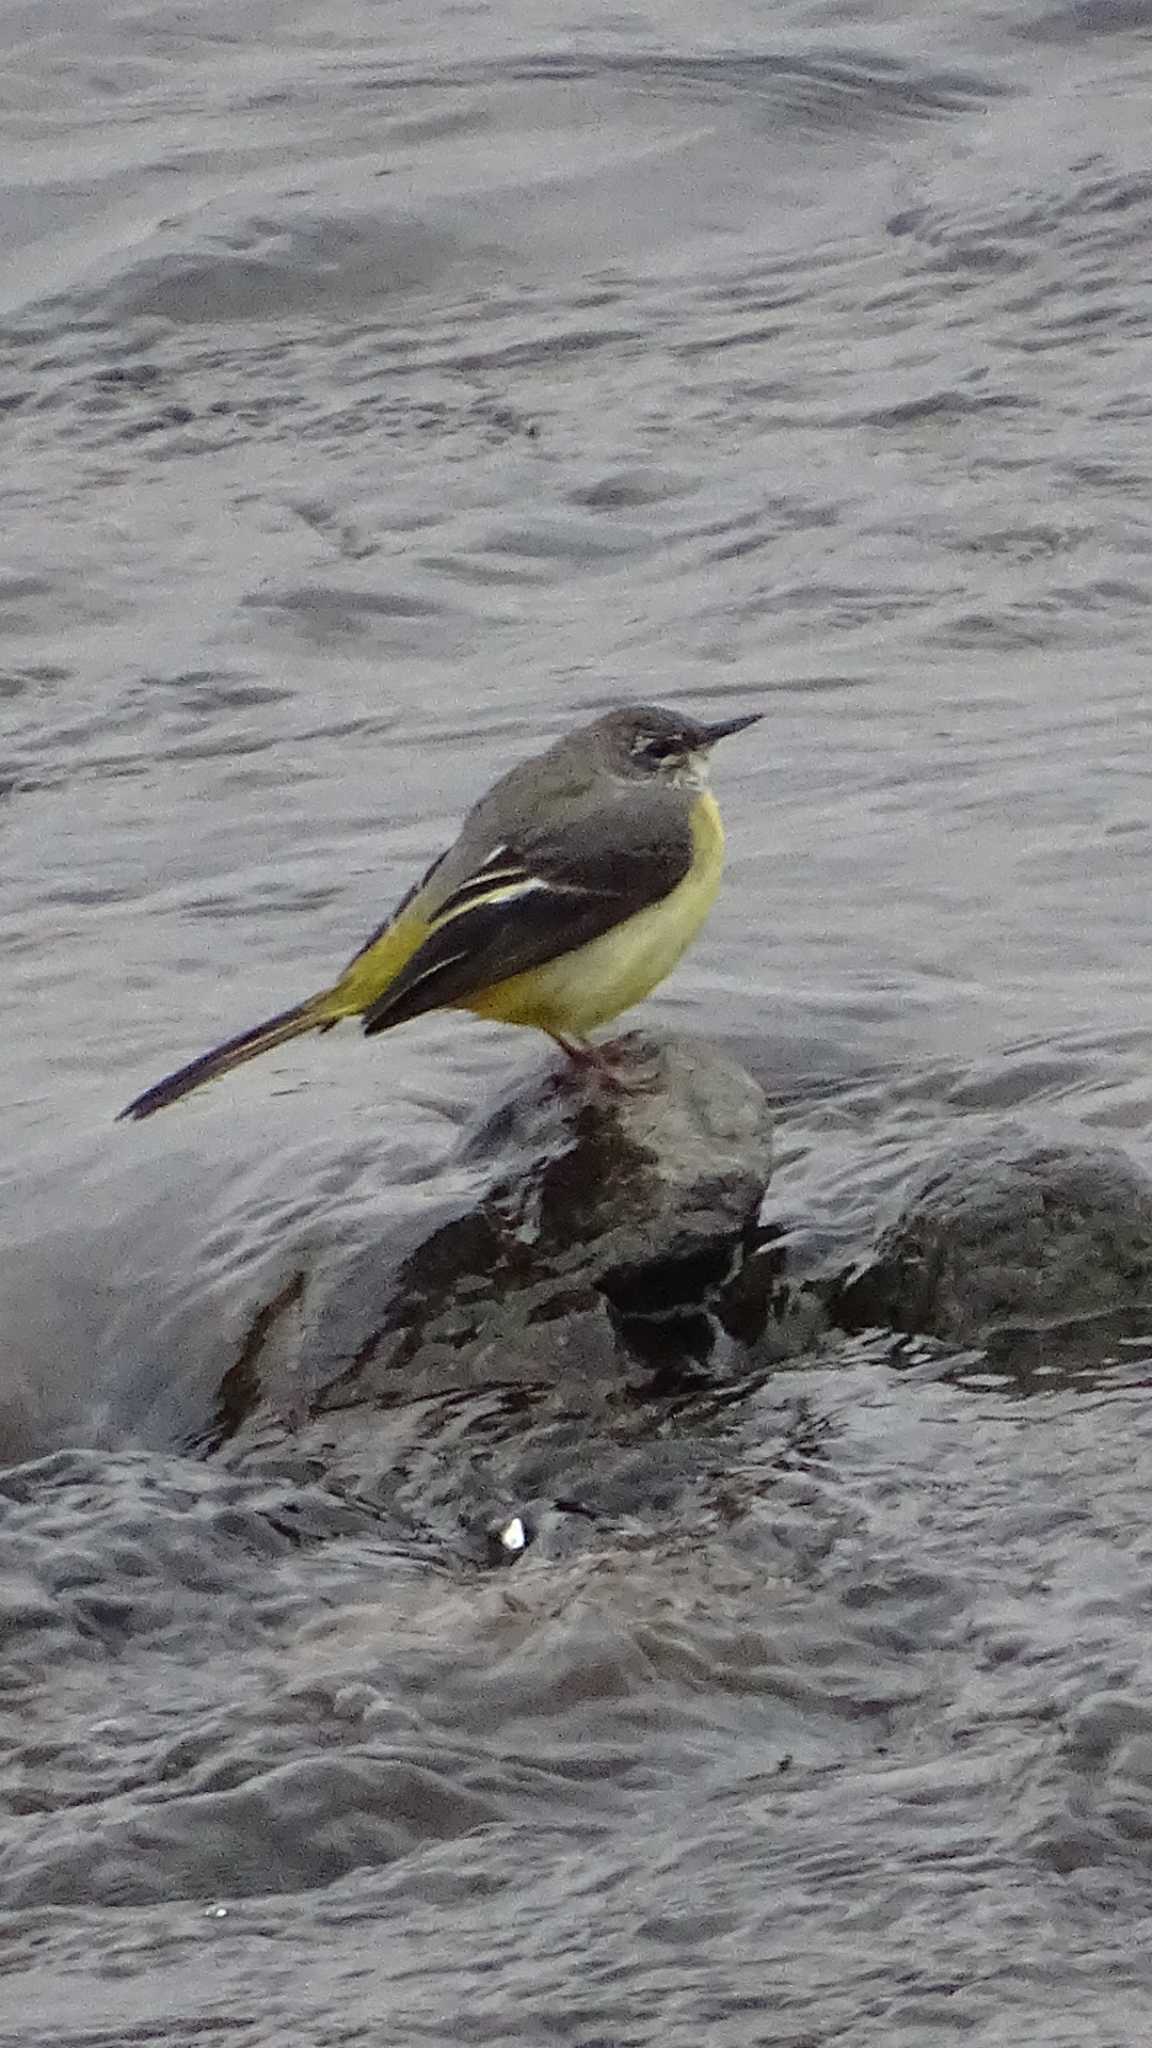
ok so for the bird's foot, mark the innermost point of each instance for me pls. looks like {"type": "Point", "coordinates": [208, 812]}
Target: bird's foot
{"type": "Point", "coordinates": [592, 1062]}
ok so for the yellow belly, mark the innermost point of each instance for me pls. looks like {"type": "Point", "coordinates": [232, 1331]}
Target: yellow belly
{"type": "Point", "coordinates": [581, 990]}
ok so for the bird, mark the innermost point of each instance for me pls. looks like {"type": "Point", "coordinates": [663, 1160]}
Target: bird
{"type": "Point", "coordinates": [573, 888]}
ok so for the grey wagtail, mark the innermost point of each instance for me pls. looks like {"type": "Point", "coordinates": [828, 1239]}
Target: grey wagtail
{"type": "Point", "coordinates": [573, 888]}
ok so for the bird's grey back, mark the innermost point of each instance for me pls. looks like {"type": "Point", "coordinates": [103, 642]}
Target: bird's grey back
{"type": "Point", "coordinates": [582, 779]}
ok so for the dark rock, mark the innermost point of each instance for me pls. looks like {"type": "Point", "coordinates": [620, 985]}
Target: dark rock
{"type": "Point", "coordinates": [599, 1234]}
{"type": "Point", "coordinates": [1006, 1229]}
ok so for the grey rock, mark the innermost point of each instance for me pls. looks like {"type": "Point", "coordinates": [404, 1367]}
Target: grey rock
{"type": "Point", "coordinates": [1007, 1229]}
{"type": "Point", "coordinates": [598, 1235]}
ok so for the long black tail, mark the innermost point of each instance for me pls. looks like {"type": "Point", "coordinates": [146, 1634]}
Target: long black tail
{"type": "Point", "coordinates": [309, 1016]}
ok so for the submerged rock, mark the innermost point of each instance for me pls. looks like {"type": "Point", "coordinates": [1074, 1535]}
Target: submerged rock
{"type": "Point", "coordinates": [600, 1235]}
{"type": "Point", "coordinates": [1007, 1229]}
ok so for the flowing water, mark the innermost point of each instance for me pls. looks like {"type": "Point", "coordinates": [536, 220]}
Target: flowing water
{"type": "Point", "coordinates": [383, 389]}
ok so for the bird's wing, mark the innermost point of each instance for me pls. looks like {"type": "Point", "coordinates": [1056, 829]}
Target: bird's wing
{"type": "Point", "coordinates": [538, 896]}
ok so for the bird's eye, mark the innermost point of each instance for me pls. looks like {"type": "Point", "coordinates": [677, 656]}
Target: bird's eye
{"type": "Point", "coordinates": [659, 747]}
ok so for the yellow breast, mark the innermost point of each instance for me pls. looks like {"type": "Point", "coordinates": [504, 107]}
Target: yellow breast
{"type": "Point", "coordinates": [586, 988]}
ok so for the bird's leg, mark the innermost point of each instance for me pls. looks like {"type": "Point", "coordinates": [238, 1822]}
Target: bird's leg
{"type": "Point", "coordinates": [581, 1054]}
{"type": "Point", "coordinates": [587, 1059]}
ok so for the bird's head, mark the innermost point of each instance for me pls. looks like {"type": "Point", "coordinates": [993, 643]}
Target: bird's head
{"type": "Point", "coordinates": [646, 741]}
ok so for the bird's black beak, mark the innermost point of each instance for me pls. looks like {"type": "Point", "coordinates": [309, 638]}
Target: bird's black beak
{"type": "Point", "coordinates": [712, 733]}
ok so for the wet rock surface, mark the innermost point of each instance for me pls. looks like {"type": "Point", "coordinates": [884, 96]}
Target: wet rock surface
{"type": "Point", "coordinates": [1008, 1229]}
{"type": "Point", "coordinates": [606, 1228]}
{"type": "Point", "coordinates": [564, 1349]}
{"type": "Point", "coordinates": [561, 1345]}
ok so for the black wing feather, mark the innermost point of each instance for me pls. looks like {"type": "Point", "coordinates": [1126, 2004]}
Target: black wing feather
{"type": "Point", "coordinates": [595, 875]}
